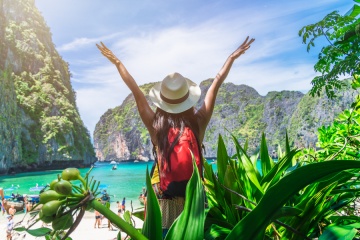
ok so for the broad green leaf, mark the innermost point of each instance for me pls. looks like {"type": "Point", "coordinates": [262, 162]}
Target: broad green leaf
{"type": "Point", "coordinates": [253, 225]}
{"type": "Point", "coordinates": [354, 11]}
{"type": "Point", "coordinates": [212, 186]}
{"type": "Point", "coordinates": [222, 159]}
{"type": "Point", "coordinates": [249, 168]}
{"type": "Point", "coordinates": [217, 218]}
{"type": "Point", "coordinates": [217, 232]}
{"type": "Point", "coordinates": [139, 214]}
{"type": "Point", "coordinates": [340, 177]}
{"type": "Point", "coordinates": [246, 145]}
{"type": "Point", "coordinates": [311, 213]}
{"type": "Point", "coordinates": [190, 223]}
{"type": "Point", "coordinates": [20, 229]}
{"type": "Point", "coordinates": [39, 232]}
{"type": "Point", "coordinates": [339, 219]}
{"type": "Point", "coordinates": [278, 170]}
{"type": "Point", "coordinates": [287, 211]}
{"type": "Point", "coordinates": [337, 232]}
{"type": "Point", "coordinates": [266, 161]}
{"type": "Point", "coordinates": [231, 199]}
{"type": "Point", "coordinates": [127, 217]}
{"type": "Point", "coordinates": [152, 227]}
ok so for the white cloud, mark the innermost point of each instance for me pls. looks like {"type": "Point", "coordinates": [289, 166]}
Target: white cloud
{"type": "Point", "coordinates": [94, 102]}
{"type": "Point", "coordinates": [78, 43]}
{"type": "Point", "coordinates": [198, 51]}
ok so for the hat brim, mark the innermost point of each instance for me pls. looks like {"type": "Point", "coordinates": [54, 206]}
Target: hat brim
{"type": "Point", "coordinates": [194, 95]}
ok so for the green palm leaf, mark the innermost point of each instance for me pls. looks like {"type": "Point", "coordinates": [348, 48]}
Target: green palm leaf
{"type": "Point", "coordinates": [343, 232]}
{"type": "Point", "coordinates": [190, 223]}
{"type": "Point", "coordinates": [276, 172]}
{"type": "Point", "coordinates": [222, 159]}
{"type": "Point", "coordinates": [250, 170]}
{"type": "Point", "coordinates": [152, 228]}
{"type": "Point", "coordinates": [266, 162]}
{"type": "Point", "coordinates": [253, 225]}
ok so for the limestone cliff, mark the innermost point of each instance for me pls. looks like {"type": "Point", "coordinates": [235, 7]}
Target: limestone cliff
{"type": "Point", "coordinates": [39, 120]}
{"type": "Point", "coordinates": [239, 109]}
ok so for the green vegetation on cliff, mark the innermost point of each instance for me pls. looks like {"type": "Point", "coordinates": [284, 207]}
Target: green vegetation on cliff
{"type": "Point", "coordinates": [49, 123]}
{"type": "Point", "coordinates": [120, 133]}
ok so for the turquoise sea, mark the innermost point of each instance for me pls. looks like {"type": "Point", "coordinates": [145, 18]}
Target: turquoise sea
{"type": "Point", "coordinates": [127, 181]}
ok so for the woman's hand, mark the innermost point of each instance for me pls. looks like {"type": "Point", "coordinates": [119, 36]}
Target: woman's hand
{"type": "Point", "coordinates": [108, 53]}
{"type": "Point", "coordinates": [242, 48]}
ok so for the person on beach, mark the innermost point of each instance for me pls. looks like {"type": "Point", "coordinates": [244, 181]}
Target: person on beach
{"type": "Point", "coordinates": [97, 219]}
{"type": "Point", "coordinates": [12, 210]}
{"type": "Point", "coordinates": [2, 207]}
{"type": "Point", "coordinates": [123, 205]}
{"type": "Point", "coordinates": [25, 203]}
{"type": "Point", "coordinates": [118, 207]}
{"type": "Point", "coordinates": [175, 118]}
{"type": "Point", "coordinates": [9, 227]}
{"type": "Point", "coordinates": [28, 206]}
{"type": "Point", "coordinates": [110, 227]}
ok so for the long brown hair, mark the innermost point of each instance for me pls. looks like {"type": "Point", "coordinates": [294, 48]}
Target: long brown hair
{"type": "Point", "coordinates": [163, 122]}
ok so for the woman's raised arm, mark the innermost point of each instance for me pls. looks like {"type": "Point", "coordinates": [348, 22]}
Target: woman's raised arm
{"type": "Point", "coordinates": [207, 108]}
{"type": "Point", "coordinates": [146, 113]}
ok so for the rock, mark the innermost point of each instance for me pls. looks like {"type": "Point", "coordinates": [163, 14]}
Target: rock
{"type": "Point", "coordinates": [240, 109]}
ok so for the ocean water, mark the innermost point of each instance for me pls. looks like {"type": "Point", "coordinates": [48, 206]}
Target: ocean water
{"type": "Point", "coordinates": [127, 181]}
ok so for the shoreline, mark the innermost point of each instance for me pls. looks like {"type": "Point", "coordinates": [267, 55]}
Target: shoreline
{"type": "Point", "coordinates": [85, 229]}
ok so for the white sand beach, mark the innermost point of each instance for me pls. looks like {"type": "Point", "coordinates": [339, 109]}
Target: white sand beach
{"type": "Point", "coordinates": [85, 229]}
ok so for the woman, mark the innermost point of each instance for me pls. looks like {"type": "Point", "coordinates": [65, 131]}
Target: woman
{"type": "Point", "coordinates": [97, 219]}
{"type": "Point", "coordinates": [174, 119]}
{"type": "Point", "coordinates": [123, 205]}
{"type": "Point", "coordinates": [9, 227]}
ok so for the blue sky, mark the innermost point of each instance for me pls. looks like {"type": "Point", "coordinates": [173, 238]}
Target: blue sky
{"type": "Point", "coordinates": [154, 38]}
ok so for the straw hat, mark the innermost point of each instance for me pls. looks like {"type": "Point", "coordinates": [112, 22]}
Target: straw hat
{"type": "Point", "coordinates": [175, 94]}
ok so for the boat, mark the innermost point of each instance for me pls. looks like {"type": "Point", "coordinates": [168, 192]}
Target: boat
{"type": "Point", "coordinates": [113, 162]}
{"type": "Point", "coordinates": [19, 205]}
{"type": "Point", "coordinates": [12, 188]}
{"type": "Point", "coordinates": [136, 161]}
{"type": "Point", "coordinates": [114, 167]}
{"type": "Point", "coordinates": [37, 188]}
{"type": "Point", "coordinates": [16, 201]}
{"type": "Point", "coordinates": [33, 198]}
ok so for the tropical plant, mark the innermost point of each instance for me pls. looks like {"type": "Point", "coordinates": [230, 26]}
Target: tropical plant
{"type": "Point", "coordinates": [340, 140]}
{"type": "Point", "coordinates": [282, 200]}
{"type": "Point", "coordinates": [340, 57]}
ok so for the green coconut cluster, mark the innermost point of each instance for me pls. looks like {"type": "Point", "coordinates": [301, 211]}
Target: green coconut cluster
{"type": "Point", "coordinates": [62, 200]}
